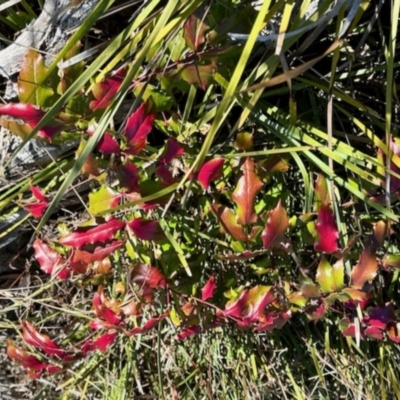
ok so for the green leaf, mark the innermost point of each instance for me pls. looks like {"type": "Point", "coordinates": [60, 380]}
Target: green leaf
{"type": "Point", "coordinates": [330, 278]}
{"type": "Point", "coordinates": [102, 200]}
{"type": "Point", "coordinates": [30, 87]}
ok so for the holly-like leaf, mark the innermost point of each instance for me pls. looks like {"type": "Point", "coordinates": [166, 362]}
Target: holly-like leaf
{"type": "Point", "coordinates": [49, 260]}
{"type": "Point", "coordinates": [25, 359]}
{"type": "Point", "coordinates": [245, 192]}
{"type": "Point", "coordinates": [228, 222]}
{"type": "Point", "coordinates": [365, 270]}
{"type": "Point", "coordinates": [102, 200]}
{"type": "Point", "coordinates": [98, 254]}
{"type": "Point", "coordinates": [103, 312]}
{"type": "Point", "coordinates": [165, 175]}
{"type": "Point", "coordinates": [36, 209]}
{"type": "Point", "coordinates": [43, 342]}
{"type": "Point", "coordinates": [207, 292]}
{"type": "Point", "coordinates": [173, 149]}
{"type": "Point", "coordinates": [200, 75]}
{"type": "Point", "coordinates": [38, 194]}
{"type": "Point", "coordinates": [274, 232]}
{"type": "Point", "coordinates": [144, 274]}
{"type": "Point", "coordinates": [128, 176]}
{"type": "Point", "coordinates": [210, 171]}
{"type": "Point", "coordinates": [327, 233]}
{"type": "Point", "coordinates": [31, 115]}
{"type": "Point", "coordinates": [137, 128]}
{"type": "Point", "coordinates": [100, 233]}
{"type": "Point", "coordinates": [330, 278]}
{"type": "Point", "coordinates": [108, 145]}
{"type": "Point", "coordinates": [251, 304]}
{"type": "Point", "coordinates": [195, 32]}
{"type": "Point", "coordinates": [101, 343]}
{"type": "Point", "coordinates": [104, 92]}
{"type": "Point", "coordinates": [146, 230]}
{"type": "Point", "coordinates": [31, 89]}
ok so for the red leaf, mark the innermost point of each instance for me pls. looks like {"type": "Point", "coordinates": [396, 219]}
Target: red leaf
{"type": "Point", "coordinates": [31, 115]}
{"type": "Point", "coordinates": [165, 175]}
{"type": "Point", "coordinates": [379, 317]}
{"type": "Point", "coordinates": [36, 209]}
{"type": "Point", "coordinates": [172, 150]}
{"type": "Point", "coordinates": [278, 222]}
{"type": "Point", "coordinates": [102, 343]}
{"type": "Point", "coordinates": [100, 233]}
{"type": "Point", "coordinates": [194, 32]}
{"type": "Point", "coordinates": [373, 332]}
{"type": "Point", "coordinates": [273, 321]}
{"type": "Point", "coordinates": [43, 342]}
{"type": "Point", "coordinates": [137, 128]}
{"type": "Point", "coordinates": [246, 190]}
{"type": "Point", "coordinates": [146, 230]}
{"type": "Point", "coordinates": [210, 171]}
{"type": "Point", "coordinates": [98, 254]}
{"type": "Point", "coordinates": [251, 304]}
{"type": "Point", "coordinates": [104, 92]}
{"type": "Point", "coordinates": [38, 194]}
{"type": "Point", "coordinates": [144, 274]}
{"type": "Point", "coordinates": [129, 177]}
{"type": "Point", "coordinates": [108, 145]}
{"type": "Point", "coordinates": [49, 260]}
{"type": "Point", "coordinates": [365, 270]}
{"type": "Point", "coordinates": [24, 358]}
{"type": "Point", "coordinates": [327, 232]}
{"type": "Point", "coordinates": [209, 288]}
{"type": "Point", "coordinates": [102, 311]}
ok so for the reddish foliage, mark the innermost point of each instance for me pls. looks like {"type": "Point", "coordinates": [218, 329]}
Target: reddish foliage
{"type": "Point", "coordinates": [278, 222]}
{"type": "Point", "coordinates": [246, 190]}
{"type": "Point", "coordinates": [327, 232]}
{"type": "Point", "coordinates": [146, 230]}
{"type": "Point", "coordinates": [101, 343]}
{"type": "Point", "coordinates": [209, 288]}
{"type": "Point", "coordinates": [228, 222]}
{"type": "Point", "coordinates": [104, 92]}
{"type": "Point", "coordinates": [32, 116]}
{"type": "Point", "coordinates": [172, 150]}
{"type": "Point", "coordinates": [100, 233]}
{"type": "Point", "coordinates": [108, 318]}
{"type": "Point", "coordinates": [165, 175]}
{"type": "Point", "coordinates": [98, 254]}
{"type": "Point", "coordinates": [129, 177]}
{"type": "Point", "coordinates": [37, 209]}
{"type": "Point", "coordinates": [43, 342]}
{"type": "Point", "coordinates": [50, 261]}
{"type": "Point", "coordinates": [365, 270]}
{"type": "Point", "coordinates": [146, 275]}
{"type": "Point", "coordinates": [210, 171]}
{"type": "Point", "coordinates": [30, 362]}
{"type": "Point", "coordinates": [137, 128]}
